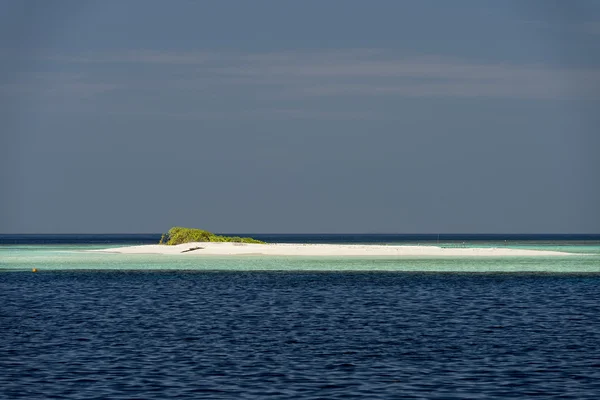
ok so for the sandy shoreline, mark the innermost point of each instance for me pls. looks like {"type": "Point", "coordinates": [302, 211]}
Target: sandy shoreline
{"type": "Point", "coordinates": [291, 249]}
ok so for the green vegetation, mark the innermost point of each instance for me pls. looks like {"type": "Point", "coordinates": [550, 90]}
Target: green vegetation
{"type": "Point", "coordinates": [179, 235]}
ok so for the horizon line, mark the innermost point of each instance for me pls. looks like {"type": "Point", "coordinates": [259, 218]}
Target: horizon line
{"type": "Point", "coordinates": [325, 233]}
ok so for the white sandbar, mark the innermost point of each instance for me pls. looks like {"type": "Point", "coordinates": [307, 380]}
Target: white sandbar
{"type": "Point", "coordinates": [291, 249]}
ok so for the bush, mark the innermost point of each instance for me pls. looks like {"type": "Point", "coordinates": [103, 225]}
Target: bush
{"type": "Point", "coordinates": [179, 235]}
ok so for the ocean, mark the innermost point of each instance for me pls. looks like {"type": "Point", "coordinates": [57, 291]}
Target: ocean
{"type": "Point", "coordinates": [96, 325]}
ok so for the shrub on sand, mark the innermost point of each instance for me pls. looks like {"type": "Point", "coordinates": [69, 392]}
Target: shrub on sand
{"type": "Point", "coordinates": [179, 235]}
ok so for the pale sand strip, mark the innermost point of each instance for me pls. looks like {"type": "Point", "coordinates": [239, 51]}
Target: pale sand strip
{"type": "Point", "coordinates": [287, 249]}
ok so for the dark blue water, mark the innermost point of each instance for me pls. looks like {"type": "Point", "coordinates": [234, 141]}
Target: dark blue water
{"type": "Point", "coordinates": [247, 335]}
{"type": "Point", "coordinates": [300, 238]}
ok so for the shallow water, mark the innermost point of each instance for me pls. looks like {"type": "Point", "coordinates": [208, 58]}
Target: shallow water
{"type": "Point", "coordinates": [586, 258]}
{"type": "Point", "coordinates": [94, 326]}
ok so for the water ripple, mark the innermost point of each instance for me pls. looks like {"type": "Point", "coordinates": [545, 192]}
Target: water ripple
{"type": "Point", "coordinates": [247, 335]}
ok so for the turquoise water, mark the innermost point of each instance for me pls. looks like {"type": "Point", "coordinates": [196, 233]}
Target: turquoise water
{"type": "Point", "coordinates": [586, 259]}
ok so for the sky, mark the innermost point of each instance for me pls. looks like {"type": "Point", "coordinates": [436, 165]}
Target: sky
{"type": "Point", "coordinates": [300, 116]}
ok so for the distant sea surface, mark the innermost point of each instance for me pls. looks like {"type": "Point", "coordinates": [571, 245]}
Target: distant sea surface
{"type": "Point", "coordinates": [148, 238]}
{"type": "Point", "coordinates": [96, 325]}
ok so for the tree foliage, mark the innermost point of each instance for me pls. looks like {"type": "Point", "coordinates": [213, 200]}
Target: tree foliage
{"type": "Point", "coordinates": [179, 235]}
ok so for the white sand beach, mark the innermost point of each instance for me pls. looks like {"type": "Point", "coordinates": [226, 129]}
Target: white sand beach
{"type": "Point", "coordinates": [292, 249]}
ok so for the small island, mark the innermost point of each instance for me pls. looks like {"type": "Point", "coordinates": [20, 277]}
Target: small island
{"type": "Point", "coordinates": [198, 242]}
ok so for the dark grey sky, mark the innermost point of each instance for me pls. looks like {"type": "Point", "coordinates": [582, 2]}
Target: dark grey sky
{"type": "Point", "coordinates": [312, 116]}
